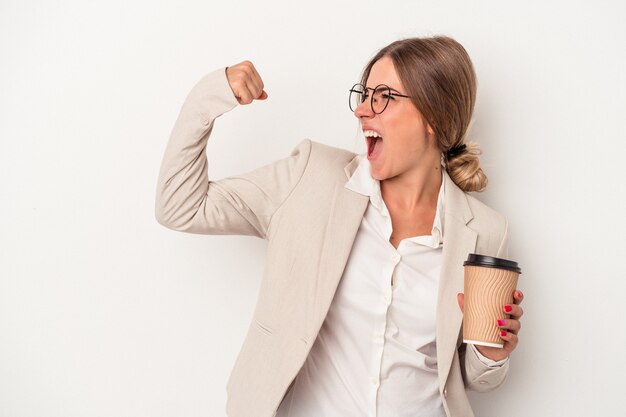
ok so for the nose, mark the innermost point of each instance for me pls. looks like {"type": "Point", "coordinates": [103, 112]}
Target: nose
{"type": "Point", "coordinates": [364, 110]}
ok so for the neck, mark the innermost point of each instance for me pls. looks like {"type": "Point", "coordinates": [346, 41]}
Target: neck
{"type": "Point", "coordinates": [413, 190]}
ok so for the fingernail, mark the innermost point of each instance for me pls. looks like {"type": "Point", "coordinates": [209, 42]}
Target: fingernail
{"type": "Point", "coordinates": [508, 308]}
{"type": "Point", "coordinates": [500, 322]}
{"type": "Point", "coordinates": [518, 294]}
{"type": "Point", "coordinates": [502, 333]}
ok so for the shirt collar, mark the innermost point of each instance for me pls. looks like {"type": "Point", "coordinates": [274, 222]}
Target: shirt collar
{"type": "Point", "coordinates": [361, 182]}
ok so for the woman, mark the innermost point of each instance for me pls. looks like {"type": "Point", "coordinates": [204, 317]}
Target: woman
{"type": "Point", "coordinates": [358, 312]}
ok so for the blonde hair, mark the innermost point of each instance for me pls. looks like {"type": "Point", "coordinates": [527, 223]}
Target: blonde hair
{"type": "Point", "coordinates": [438, 74]}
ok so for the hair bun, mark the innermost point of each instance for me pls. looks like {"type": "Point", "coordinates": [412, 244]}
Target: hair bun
{"type": "Point", "coordinates": [463, 166]}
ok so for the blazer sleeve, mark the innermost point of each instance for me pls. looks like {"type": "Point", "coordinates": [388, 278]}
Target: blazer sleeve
{"type": "Point", "coordinates": [187, 201]}
{"type": "Point", "coordinates": [477, 375]}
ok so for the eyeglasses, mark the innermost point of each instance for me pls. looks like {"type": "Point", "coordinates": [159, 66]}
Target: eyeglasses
{"type": "Point", "coordinates": [379, 99]}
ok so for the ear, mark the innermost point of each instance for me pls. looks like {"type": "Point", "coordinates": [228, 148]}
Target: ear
{"type": "Point", "coordinates": [430, 130]}
{"type": "Point", "coordinates": [432, 137]}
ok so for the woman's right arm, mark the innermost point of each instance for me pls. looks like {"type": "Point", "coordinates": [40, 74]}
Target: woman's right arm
{"type": "Point", "coordinates": [186, 200]}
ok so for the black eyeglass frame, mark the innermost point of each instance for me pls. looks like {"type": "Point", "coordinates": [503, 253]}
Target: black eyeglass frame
{"type": "Point", "coordinates": [391, 93]}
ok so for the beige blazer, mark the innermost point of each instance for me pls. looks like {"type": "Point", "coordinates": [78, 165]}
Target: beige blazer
{"type": "Point", "coordinates": [300, 205]}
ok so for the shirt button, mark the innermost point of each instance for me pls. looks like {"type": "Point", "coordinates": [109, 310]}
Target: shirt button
{"type": "Point", "coordinates": [396, 258]}
{"type": "Point", "coordinates": [380, 338]}
{"type": "Point", "coordinates": [445, 392]}
{"type": "Point", "coordinates": [373, 380]}
{"type": "Point", "coordinates": [482, 382]}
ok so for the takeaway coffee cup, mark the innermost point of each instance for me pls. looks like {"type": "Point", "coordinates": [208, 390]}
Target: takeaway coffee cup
{"type": "Point", "coordinates": [489, 285]}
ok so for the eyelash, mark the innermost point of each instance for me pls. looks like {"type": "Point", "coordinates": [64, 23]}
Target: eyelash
{"type": "Point", "coordinates": [390, 96]}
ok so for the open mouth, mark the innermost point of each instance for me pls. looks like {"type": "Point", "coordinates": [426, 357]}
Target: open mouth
{"type": "Point", "coordinates": [374, 145]}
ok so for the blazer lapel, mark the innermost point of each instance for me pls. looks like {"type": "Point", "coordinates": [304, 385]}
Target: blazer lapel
{"type": "Point", "coordinates": [346, 212]}
{"type": "Point", "coordinates": [458, 241]}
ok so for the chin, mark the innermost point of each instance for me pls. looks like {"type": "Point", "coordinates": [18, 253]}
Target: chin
{"type": "Point", "coordinates": [380, 176]}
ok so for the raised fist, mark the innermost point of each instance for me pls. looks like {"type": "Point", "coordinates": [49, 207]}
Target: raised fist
{"type": "Point", "coordinates": [245, 82]}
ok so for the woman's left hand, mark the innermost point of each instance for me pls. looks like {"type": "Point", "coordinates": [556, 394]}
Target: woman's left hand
{"type": "Point", "coordinates": [509, 328]}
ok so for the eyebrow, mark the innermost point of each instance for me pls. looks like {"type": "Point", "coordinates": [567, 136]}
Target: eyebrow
{"type": "Point", "coordinates": [393, 90]}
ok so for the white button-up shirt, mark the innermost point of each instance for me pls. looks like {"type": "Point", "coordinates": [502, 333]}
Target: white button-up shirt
{"type": "Point", "coordinates": [375, 354]}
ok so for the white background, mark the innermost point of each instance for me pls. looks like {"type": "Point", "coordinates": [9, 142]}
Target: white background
{"type": "Point", "coordinates": [103, 312]}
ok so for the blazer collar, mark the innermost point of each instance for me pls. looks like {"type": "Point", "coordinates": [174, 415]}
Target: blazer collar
{"type": "Point", "coordinates": [456, 201]}
{"type": "Point", "coordinates": [352, 166]}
